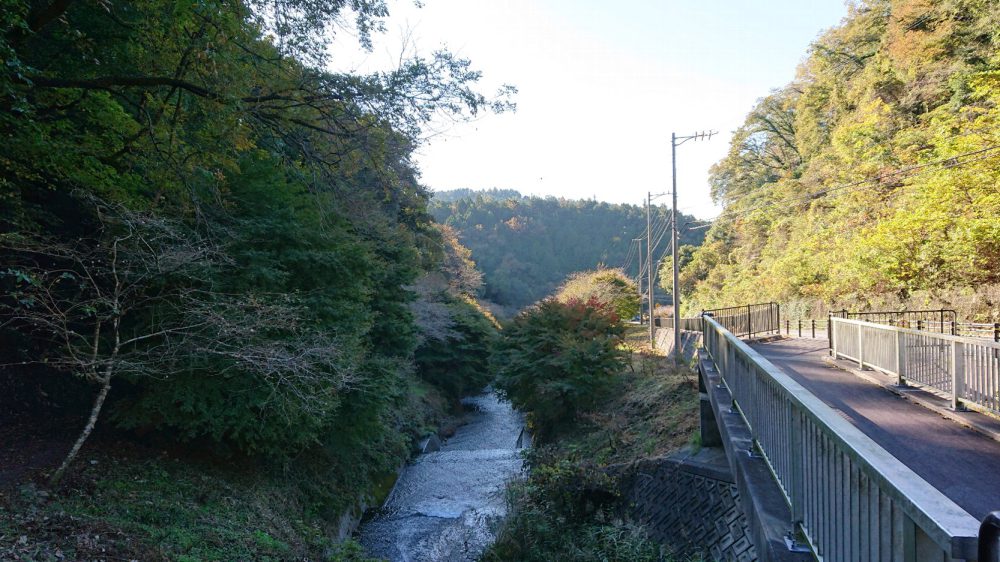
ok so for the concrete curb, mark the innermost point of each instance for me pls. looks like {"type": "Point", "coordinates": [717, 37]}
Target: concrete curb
{"type": "Point", "coordinates": [984, 425]}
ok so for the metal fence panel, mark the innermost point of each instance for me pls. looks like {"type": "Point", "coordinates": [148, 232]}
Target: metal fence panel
{"type": "Point", "coordinates": [966, 370]}
{"type": "Point", "coordinates": [748, 319]}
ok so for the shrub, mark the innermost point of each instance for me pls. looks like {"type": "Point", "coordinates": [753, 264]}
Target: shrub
{"type": "Point", "coordinates": [566, 511]}
{"type": "Point", "coordinates": [608, 286]}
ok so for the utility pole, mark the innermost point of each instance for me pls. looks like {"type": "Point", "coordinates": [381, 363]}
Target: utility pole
{"type": "Point", "coordinates": [675, 298]}
{"type": "Point", "coordinates": [649, 260]}
{"type": "Point", "coordinates": [649, 265]}
{"type": "Point", "coordinates": [678, 352]}
{"type": "Point", "coordinates": [638, 275]}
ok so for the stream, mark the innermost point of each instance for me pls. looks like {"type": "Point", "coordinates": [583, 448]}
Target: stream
{"type": "Point", "coordinates": [446, 503]}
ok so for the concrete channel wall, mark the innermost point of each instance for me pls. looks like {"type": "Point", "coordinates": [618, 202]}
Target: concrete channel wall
{"type": "Point", "coordinates": [664, 340]}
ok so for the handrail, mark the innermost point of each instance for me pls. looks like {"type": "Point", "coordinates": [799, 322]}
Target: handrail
{"type": "Point", "coordinates": [947, 337]}
{"type": "Point", "coordinates": [965, 370]}
{"type": "Point", "coordinates": [893, 316]}
{"type": "Point", "coordinates": [989, 538]}
{"type": "Point", "coordinates": [850, 498]}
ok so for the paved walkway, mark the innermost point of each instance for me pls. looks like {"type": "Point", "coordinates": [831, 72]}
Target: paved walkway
{"type": "Point", "coordinates": [962, 464]}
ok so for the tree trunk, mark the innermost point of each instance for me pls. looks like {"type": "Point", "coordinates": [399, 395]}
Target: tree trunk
{"type": "Point", "coordinates": [94, 412]}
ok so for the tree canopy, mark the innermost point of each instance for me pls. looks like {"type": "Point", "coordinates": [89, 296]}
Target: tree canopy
{"type": "Point", "coordinates": [219, 233]}
{"type": "Point", "coordinates": [872, 176]}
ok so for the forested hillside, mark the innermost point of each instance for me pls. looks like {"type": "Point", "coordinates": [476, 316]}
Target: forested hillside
{"type": "Point", "coordinates": [871, 179]}
{"type": "Point", "coordinates": [526, 246]}
{"type": "Point", "coordinates": [210, 241]}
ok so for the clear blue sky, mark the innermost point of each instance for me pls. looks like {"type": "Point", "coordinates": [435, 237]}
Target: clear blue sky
{"type": "Point", "coordinates": [602, 85]}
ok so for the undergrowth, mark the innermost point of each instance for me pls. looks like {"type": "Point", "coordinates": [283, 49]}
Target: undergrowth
{"type": "Point", "coordinates": [126, 501]}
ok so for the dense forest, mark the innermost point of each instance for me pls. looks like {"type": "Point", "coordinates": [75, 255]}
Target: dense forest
{"type": "Point", "coordinates": [526, 246]}
{"type": "Point", "coordinates": [871, 179]}
{"type": "Point", "coordinates": [209, 240]}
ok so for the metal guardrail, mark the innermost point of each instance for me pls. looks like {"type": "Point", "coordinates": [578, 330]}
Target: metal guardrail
{"type": "Point", "coordinates": [978, 330]}
{"type": "Point", "coordinates": [805, 327]}
{"type": "Point", "coordinates": [748, 319]}
{"type": "Point", "coordinates": [852, 499]}
{"type": "Point", "coordinates": [943, 319]}
{"type": "Point", "coordinates": [965, 370]}
{"type": "Point", "coordinates": [966, 329]}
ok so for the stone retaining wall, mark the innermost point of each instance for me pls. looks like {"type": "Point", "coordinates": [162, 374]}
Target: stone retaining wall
{"type": "Point", "coordinates": [690, 504]}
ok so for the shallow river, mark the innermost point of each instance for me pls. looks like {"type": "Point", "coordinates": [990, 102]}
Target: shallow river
{"type": "Point", "coordinates": [446, 503]}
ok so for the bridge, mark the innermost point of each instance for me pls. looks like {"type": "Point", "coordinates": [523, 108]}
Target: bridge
{"type": "Point", "coordinates": [874, 443]}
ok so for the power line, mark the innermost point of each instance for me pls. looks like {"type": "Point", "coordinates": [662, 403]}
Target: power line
{"type": "Point", "coordinates": [666, 252]}
{"type": "Point", "coordinates": [627, 263]}
{"type": "Point", "coordinates": [663, 232]}
{"type": "Point", "coordinates": [659, 237]}
{"type": "Point", "coordinates": [660, 231]}
{"type": "Point", "coordinates": [630, 253]}
{"type": "Point", "coordinates": [630, 256]}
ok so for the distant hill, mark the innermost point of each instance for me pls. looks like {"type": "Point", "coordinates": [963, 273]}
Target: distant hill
{"type": "Point", "coordinates": [453, 195]}
{"type": "Point", "coordinates": [526, 246]}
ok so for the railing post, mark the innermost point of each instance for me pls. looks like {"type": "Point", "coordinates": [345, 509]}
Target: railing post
{"type": "Point", "coordinates": [800, 327]}
{"type": "Point", "coordinates": [989, 538]}
{"type": "Point", "coordinates": [749, 323]}
{"type": "Point", "coordinates": [901, 357]}
{"type": "Point", "coordinates": [920, 325]}
{"type": "Point", "coordinates": [996, 331]}
{"type": "Point", "coordinates": [829, 334]}
{"type": "Point", "coordinates": [797, 478]}
{"type": "Point", "coordinates": [788, 329]}
{"type": "Point", "coordinates": [957, 374]}
{"type": "Point", "coordinates": [861, 347]}
{"type": "Point", "coordinates": [813, 328]}
{"type": "Point", "coordinates": [833, 340]}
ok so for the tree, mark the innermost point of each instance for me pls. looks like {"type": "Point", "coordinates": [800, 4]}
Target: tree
{"type": "Point", "coordinates": [136, 131]}
{"type": "Point", "coordinates": [666, 272]}
{"type": "Point", "coordinates": [82, 297]}
{"type": "Point", "coordinates": [133, 300]}
{"type": "Point", "coordinates": [455, 331]}
{"type": "Point", "coordinates": [871, 179]}
{"type": "Point", "coordinates": [555, 359]}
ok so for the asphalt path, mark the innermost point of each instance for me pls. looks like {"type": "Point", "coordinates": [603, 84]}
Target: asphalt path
{"type": "Point", "coordinates": [962, 464]}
